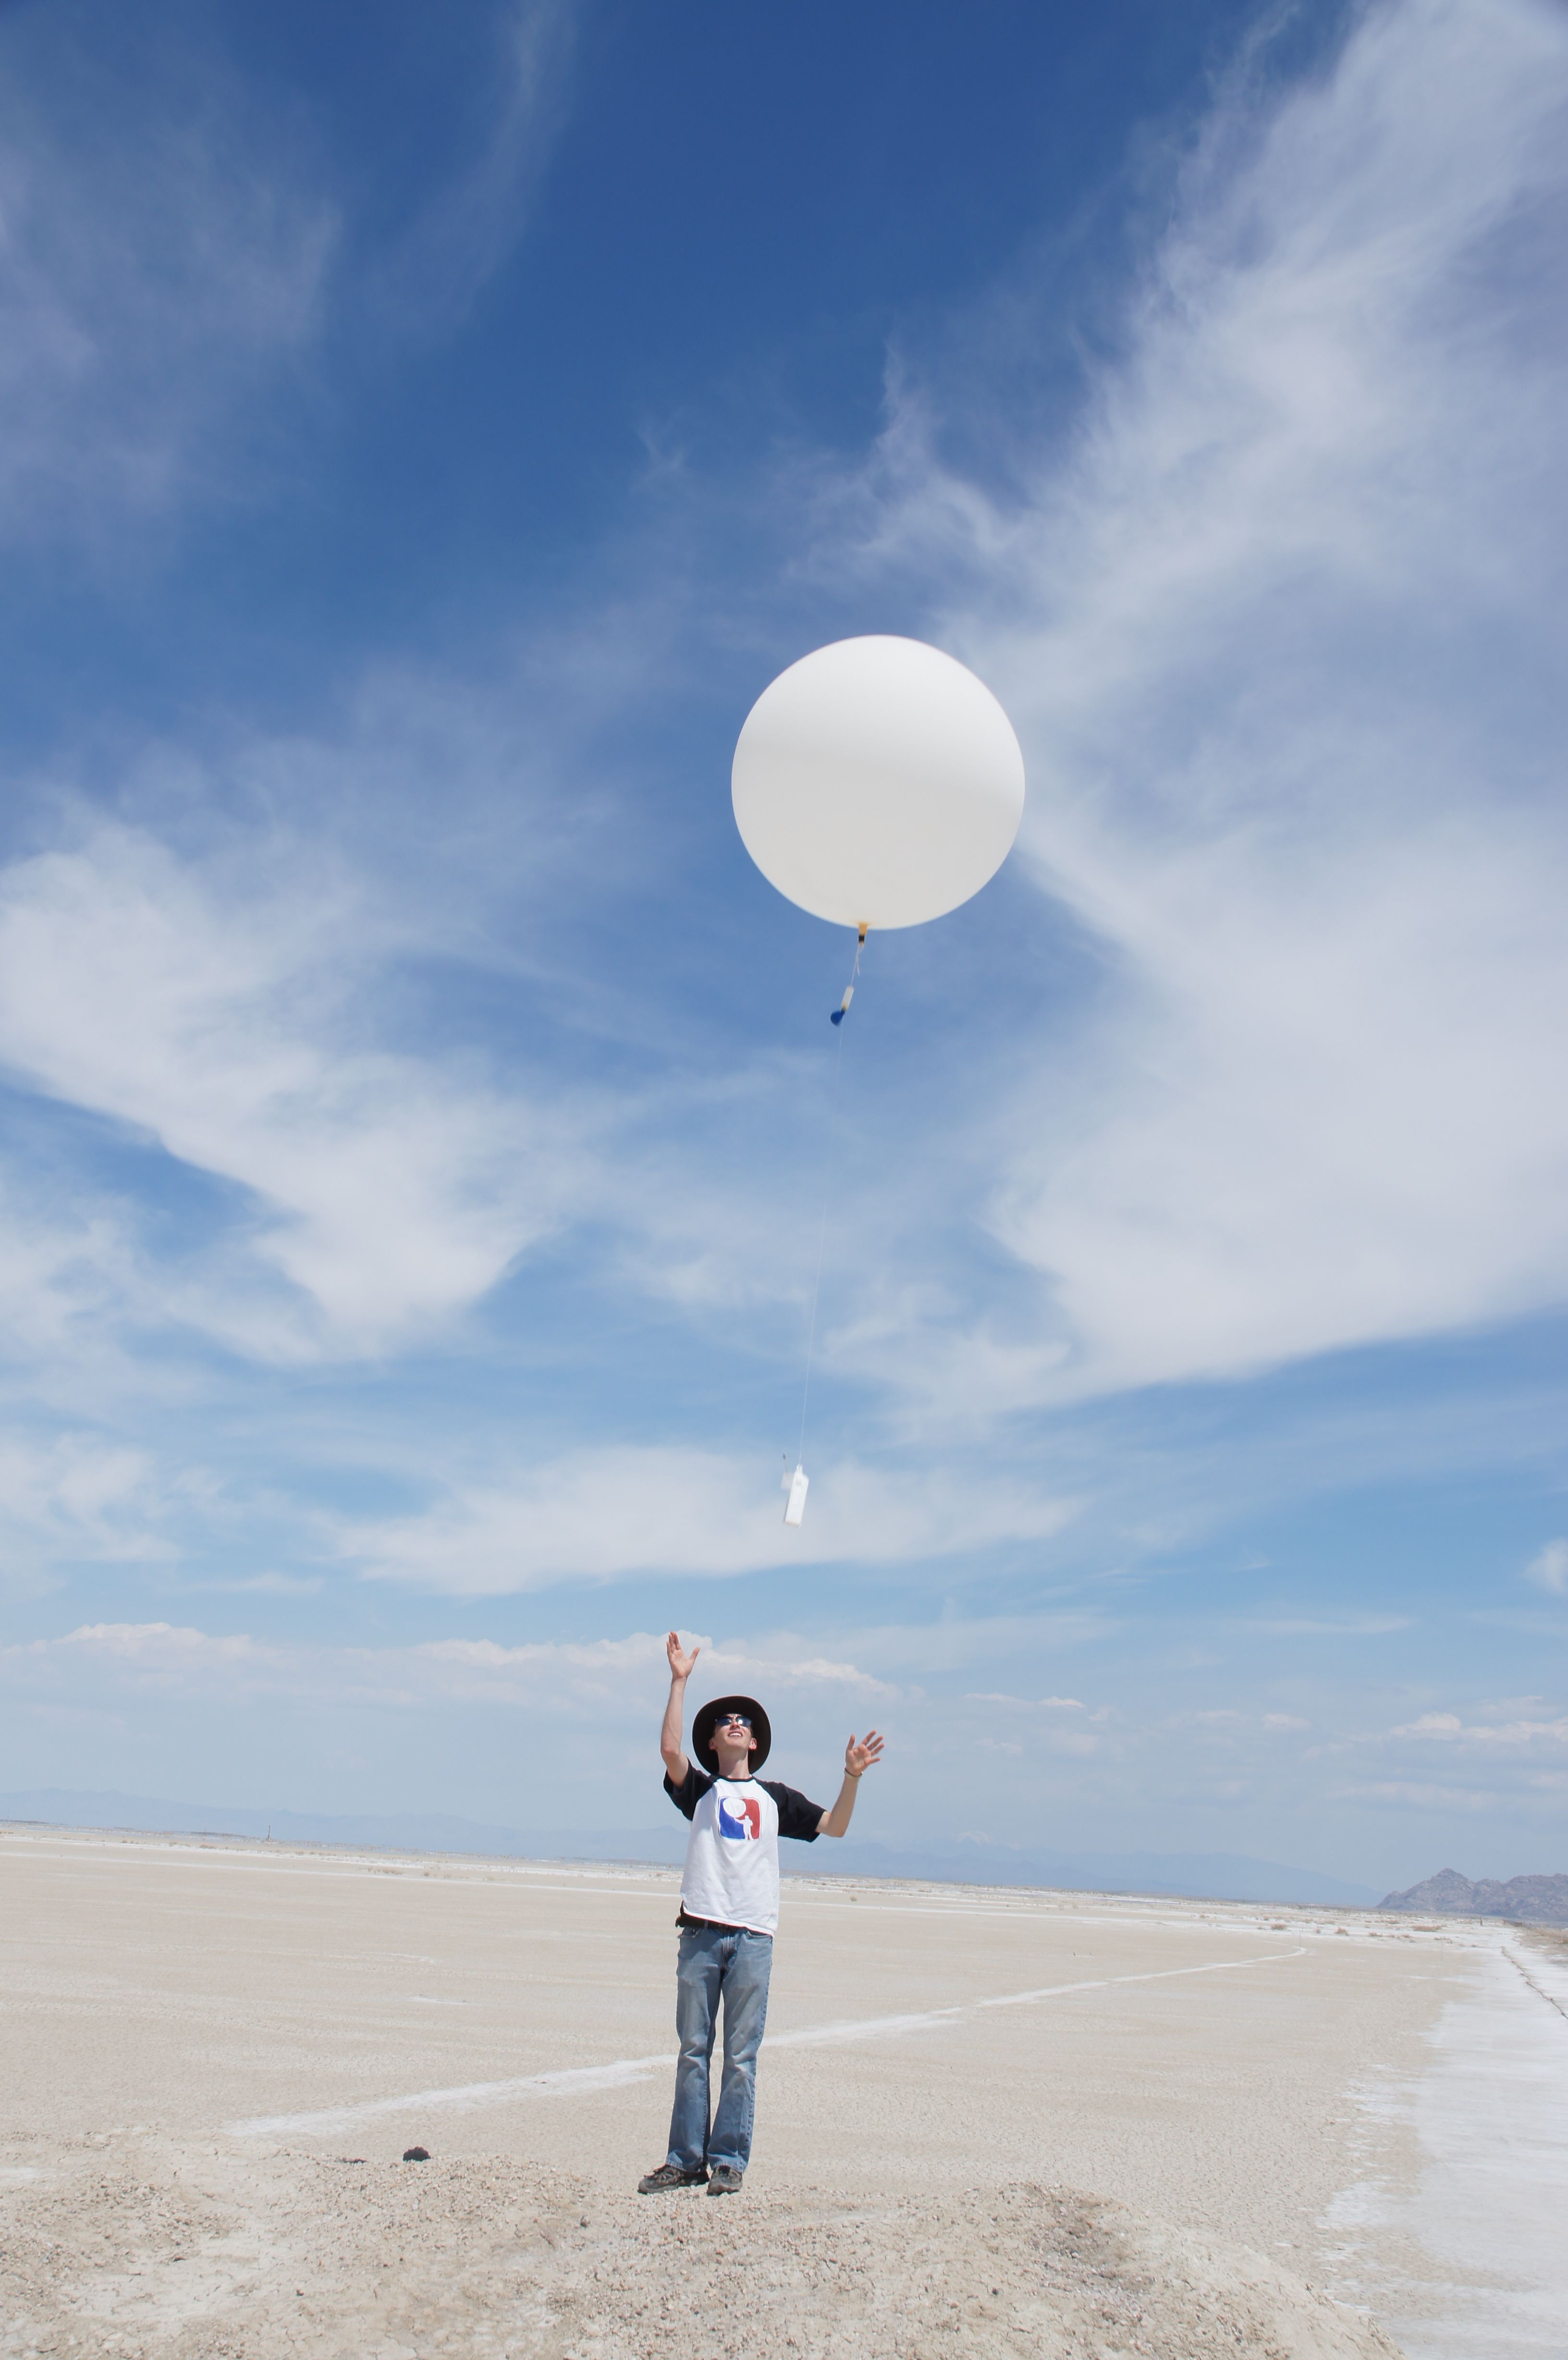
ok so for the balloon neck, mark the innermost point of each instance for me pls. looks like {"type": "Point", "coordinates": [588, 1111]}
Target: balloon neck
{"type": "Point", "coordinates": [863, 934]}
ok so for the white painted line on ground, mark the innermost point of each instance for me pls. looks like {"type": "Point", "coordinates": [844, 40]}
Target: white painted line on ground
{"type": "Point", "coordinates": [469, 2096]}
{"type": "Point", "coordinates": [881, 2028]}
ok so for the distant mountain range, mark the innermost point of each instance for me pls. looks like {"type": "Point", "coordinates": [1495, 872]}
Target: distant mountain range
{"type": "Point", "coordinates": [1533, 1900]}
{"type": "Point", "coordinates": [1216, 1876]}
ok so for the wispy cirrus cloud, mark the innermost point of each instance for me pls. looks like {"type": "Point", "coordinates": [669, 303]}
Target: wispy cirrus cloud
{"type": "Point", "coordinates": [1280, 631]}
{"type": "Point", "coordinates": [1309, 1102]}
{"type": "Point", "coordinates": [65, 1269]}
{"type": "Point", "coordinates": [173, 270]}
{"type": "Point", "coordinates": [158, 273]}
{"type": "Point", "coordinates": [427, 278]}
{"type": "Point", "coordinates": [78, 1496]}
{"type": "Point", "coordinates": [231, 1021]}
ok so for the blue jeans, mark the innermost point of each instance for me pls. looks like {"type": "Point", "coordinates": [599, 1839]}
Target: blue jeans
{"type": "Point", "coordinates": [736, 1966]}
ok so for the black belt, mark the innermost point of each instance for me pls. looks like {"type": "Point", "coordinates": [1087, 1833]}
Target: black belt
{"type": "Point", "coordinates": [712, 1925]}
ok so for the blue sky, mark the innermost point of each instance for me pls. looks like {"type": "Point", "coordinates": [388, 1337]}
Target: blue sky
{"type": "Point", "coordinates": [420, 441]}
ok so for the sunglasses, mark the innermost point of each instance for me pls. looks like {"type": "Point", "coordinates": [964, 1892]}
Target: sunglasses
{"type": "Point", "coordinates": [731, 1721]}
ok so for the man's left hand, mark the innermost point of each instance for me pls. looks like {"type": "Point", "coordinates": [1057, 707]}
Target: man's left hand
{"type": "Point", "coordinates": [861, 1753]}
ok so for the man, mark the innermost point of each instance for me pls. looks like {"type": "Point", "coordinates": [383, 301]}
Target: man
{"type": "Point", "coordinates": [729, 1908]}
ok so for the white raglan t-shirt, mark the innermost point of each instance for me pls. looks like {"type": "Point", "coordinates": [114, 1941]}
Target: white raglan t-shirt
{"type": "Point", "coordinates": [731, 1855]}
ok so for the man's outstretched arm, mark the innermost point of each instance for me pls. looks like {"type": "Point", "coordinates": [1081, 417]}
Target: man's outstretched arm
{"type": "Point", "coordinates": [671, 1736]}
{"type": "Point", "coordinates": [858, 1756]}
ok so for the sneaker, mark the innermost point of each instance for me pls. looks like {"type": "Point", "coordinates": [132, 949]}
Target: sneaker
{"type": "Point", "coordinates": [725, 2180]}
{"type": "Point", "coordinates": [670, 2175]}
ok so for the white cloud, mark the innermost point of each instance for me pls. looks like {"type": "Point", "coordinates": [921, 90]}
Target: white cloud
{"type": "Point", "coordinates": [1013, 1725]}
{"type": "Point", "coordinates": [432, 274]}
{"type": "Point", "coordinates": [94, 1707]}
{"type": "Point", "coordinates": [78, 1497]}
{"type": "Point", "coordinates": [777, 1662]}
{"type": "Point", "coordinates": [172, 251]}
{"type": "Point", "coordinates": [607, 1665]}
{"type": "Point", "coordinates": [1027, 1704]}
{"type": "Point", "coordinates": [598, 1513]}
{"type": "Point", "coordinates": [1549, 1570]}
{"type": "Point", "coordinates": [1448, 1729]}
{"type": "Point", "coordinates": [162, 1646]}
{"type": "Point", "coordinates": [174, 255]}
{"type": "Point", "coordinates": [227, 1017]}
{"type": "Point", "coordinates": [1344, 1627]}
{"type": "Point", "coordinates": [157, 273]}
{"type": "Point", "coordinates": [271, 1585]}
{"type": "Point", "coordinates": [1243, 625]}
{"type": "Point", "coordinates": [60, 1271]}
{"type": "Point", "coordinates": [101, 1664]}
{"type": "Point", "coordinates": [244, 979]}
{"type": "Point", "coordinates": [1282, 635]}
{"type": "Point", "coordinates": [557, 1680]}
{"type": "Point", "coordinates": [1229, 1722]}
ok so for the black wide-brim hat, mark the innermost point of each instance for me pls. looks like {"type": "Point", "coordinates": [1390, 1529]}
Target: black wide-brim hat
{"type": "Point", "coordinates": [707, 1718]}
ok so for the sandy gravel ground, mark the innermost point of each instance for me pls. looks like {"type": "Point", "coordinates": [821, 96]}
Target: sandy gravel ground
{"type": "Point", "coordinates": [1034, 2122]}
{"type": "Point", "coordinates": [137, 2247]}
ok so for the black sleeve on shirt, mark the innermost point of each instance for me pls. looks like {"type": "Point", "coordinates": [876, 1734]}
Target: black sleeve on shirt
{"type": "Point", "coordinates": [692, 1789]}
{"type": "Point", "coordinates": [797, 1817]}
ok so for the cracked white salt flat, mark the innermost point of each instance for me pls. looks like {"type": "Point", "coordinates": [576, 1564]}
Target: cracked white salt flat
{"type": "Point", "coordinates": [1464, 2256]}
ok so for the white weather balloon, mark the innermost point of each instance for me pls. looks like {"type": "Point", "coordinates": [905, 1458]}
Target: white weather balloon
{"type": "Point", "coordinates": [878, 783]}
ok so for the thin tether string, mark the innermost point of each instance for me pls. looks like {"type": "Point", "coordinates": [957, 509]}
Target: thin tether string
{"type": "Point", "coordinates": [817, 1282]}
{"type": "Point", "coordinates": [822, 1232]}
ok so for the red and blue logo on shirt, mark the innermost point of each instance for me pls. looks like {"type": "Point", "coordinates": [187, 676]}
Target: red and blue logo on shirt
{"type": "Point", "coordinates": [742, 1820]}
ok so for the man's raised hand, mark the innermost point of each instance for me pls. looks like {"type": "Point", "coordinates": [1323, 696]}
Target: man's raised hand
{"type": "Point", "coordinates": [858, 1756]}
{"type": "Point", "coordinates": [679, 1665]}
